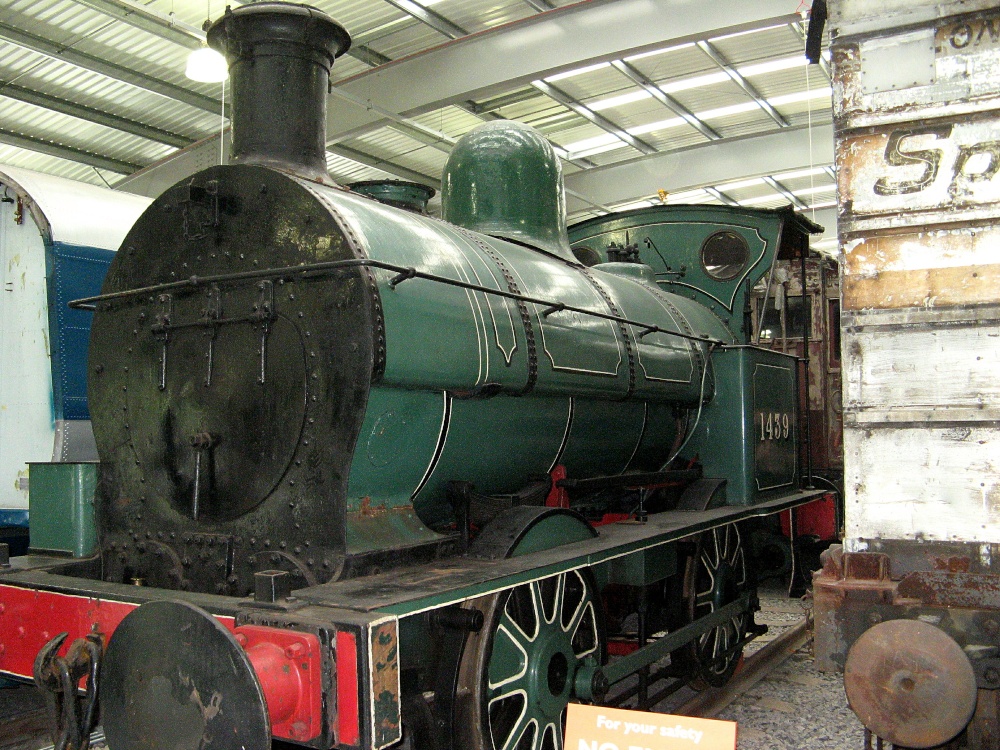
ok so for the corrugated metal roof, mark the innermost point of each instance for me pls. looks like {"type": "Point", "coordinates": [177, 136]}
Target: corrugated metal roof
{"type": "Point", "coordinates": [769, 58]}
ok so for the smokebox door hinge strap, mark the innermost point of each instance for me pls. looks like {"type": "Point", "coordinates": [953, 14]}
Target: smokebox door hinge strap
{"type": "Point", "coordinates": [73, 716]}
{"type": "Point", "coordinates": [264, 309]}
{"type": "Point", "coordinates": [212, 314]}
{"type": "Point", "coordinates": [161, 329]}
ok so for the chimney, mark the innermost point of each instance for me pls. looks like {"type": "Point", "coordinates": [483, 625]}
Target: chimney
{"type": "Point", "coordinates": [280, 55]}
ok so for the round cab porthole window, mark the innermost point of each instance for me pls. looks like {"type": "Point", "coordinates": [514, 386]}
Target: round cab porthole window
{"type": "Point", "coordinates": [724, 255]}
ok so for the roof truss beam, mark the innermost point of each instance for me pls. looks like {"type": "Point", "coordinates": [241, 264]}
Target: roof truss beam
{"type": "Point", "coordinates": [427, 16]}
{"type": "Point", "coordinates": [146, 18]}
{"type": "Point", "coordinates": [70, 153]}
{"type": "Point", "coordinates": [713, 163]}
{"type": "Point", "coordinates": [61, 52]}
{"type": "Point", "coordinates": [591, 116]}
{"type": "Point", "coordinates": [90, 114]}
{"type": "Point", "coordinates": [739, 80]}
{"type": "Point", "coordinates": [637, 77]}
{"type": "Point", "coordinates": [368, 160]}
{"type": "Point", "coordinates": [537, 47]}
{"type": "Point", "coordinates": [781, 189]}
{"type": "Point", "coordinates": [531, 49]}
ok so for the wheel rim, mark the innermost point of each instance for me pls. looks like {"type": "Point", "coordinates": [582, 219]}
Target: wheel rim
{"type": "Point", "coordinates": [541, 633]}
{"type": "Point", "coordinates": [718, 576]}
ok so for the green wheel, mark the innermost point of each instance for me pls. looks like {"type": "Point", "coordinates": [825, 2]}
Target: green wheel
{"type": "Point", "coordinates": [517, 674]}
{"type": "Point", "coordinates": [717, 575]}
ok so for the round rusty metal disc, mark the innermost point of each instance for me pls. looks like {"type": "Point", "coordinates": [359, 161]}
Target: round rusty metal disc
{"type": "Point", "coordinates": [910, 683]}
{"type": "Point", "coordinates": [174, 678]}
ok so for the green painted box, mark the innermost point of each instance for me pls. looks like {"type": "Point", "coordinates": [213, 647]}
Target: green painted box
{"type": "Point", "coordinates": [748, 432]}
{"type": "Point", "coordinates": [61, 508]}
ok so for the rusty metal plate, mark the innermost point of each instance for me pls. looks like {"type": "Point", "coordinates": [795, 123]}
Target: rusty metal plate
{"type": "Point", "coordinates": [943, 67]}
{"type": "Point", "coordinates": [910, 683]}
{"type": "Point", "coordinates": [385, 697]}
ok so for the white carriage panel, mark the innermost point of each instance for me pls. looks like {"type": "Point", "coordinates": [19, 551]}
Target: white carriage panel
{"type": "Point", "coordinates": [27, 428]}
{"type": "Point", "coordinates": [924, 373]}
{"type": "Point", "coordinates": [923, 482]}
{"type": "Point", "coordinates": [77, 213]}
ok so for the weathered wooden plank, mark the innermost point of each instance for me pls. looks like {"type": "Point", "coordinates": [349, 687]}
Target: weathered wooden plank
{"type": "Point", "coordinates": [939, 373]}
{"type": "Point", "coordinates": [920, 173]}
{"type": "Point", "coordinates": [923, 482]}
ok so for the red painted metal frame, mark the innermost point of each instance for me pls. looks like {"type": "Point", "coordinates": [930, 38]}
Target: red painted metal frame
{"type": "Point", "coordinates": [288, 663]}
{"type": "Point", "coordinates": [348, 702]}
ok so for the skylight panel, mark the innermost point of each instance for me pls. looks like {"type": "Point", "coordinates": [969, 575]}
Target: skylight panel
{"type": "Point", "coordinates": [801, 96]}
{"type": "Point", "coordinates": [745, 33]}
{"type": "Point", "coordinates": [672, 122]}
{"type": "Point", "coordinates": [694, 83]}
{"type": "Point", "coordinates": [762, 199]}
{"type": "Point", "coordinates": [740, 184]}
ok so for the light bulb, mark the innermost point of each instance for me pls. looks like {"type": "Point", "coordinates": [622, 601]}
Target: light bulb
{"type": "Point", "coordinates": [206, 66]}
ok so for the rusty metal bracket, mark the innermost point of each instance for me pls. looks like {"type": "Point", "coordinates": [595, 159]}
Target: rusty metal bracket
{"type": "Point", "coordinates": [73, 715]}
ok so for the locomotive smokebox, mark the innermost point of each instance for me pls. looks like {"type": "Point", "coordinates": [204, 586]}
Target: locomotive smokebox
{"type": "Point", "coordinates": [280, 56]}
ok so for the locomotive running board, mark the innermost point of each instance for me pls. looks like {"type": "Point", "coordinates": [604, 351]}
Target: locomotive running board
{"type": "Point", "coordinates": [454, 580]}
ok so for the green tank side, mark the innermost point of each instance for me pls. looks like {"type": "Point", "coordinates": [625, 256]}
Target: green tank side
{"type": "Point", "coordinates": [453, 395]}
{"type": "Point", "coordinates": [748, 434]}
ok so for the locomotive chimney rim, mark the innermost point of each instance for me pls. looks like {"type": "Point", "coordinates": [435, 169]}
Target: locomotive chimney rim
{"type": "Point", "coordinates": [280, 56]}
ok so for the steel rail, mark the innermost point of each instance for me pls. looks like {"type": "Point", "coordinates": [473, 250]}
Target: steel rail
{"type": "Point", "coordinates": [713, 701]}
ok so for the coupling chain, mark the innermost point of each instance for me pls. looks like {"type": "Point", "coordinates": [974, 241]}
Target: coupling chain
{"type": "Point", "coordinates": [72, 715]}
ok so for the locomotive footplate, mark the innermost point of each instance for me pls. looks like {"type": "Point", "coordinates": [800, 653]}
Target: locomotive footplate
{"type": "Point", "coordinates": [425, 587]}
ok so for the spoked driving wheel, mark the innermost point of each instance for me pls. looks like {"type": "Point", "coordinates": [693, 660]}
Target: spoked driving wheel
{"type": "Point", "coordinates": [716, 576]}
{"type": "Point", "coordinates": [517, 674]}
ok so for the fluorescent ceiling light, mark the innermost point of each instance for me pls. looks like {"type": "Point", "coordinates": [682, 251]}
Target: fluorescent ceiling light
{"type": "Point", "coordinates": [205, 65]}
{"type": "Point", "coordinates": [618, 101]}
{"type": "Point", "coordinates": [795, 174]}
{"type": "Point", "coordinates": [661, 51]}
{"type": "Point", "coordinates": [740, 184]}
{"type": "Point", "coordinates": [577, 72]}
{"type": "Point", "coordinates": [773, 66]}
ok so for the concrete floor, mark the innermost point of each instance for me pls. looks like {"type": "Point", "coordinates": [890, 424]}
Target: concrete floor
{"type": "Point", "coordinates": [796, 707]}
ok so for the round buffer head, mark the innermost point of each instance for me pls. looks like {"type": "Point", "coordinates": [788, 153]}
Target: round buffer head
{"type": "Point", "coordinates": [910, 683]}
{"type": "Point", "coordinates": [174, 678]}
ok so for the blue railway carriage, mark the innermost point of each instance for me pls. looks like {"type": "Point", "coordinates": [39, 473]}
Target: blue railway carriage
{"type": "Point", "coordinates": [57, 237]}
